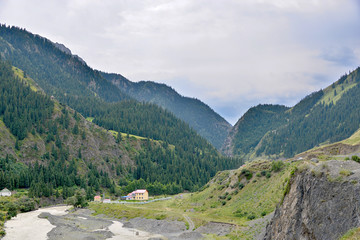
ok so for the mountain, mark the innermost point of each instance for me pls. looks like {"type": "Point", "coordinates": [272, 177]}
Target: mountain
{"type": "Point", "coordinates": [58, 73]}
{"type": "Point", "coordinates": [63, 48]}
{"type": "Point", "coordinates": [197, 114]}
{"type": "Point", "coordinates": [251, 128]}
{"type": "Point", "coordinates": [322, 117]}
{"type": "Point", "coordinates": [46, 145]}
{"type": "Point", "coordinates": [170, 151]}
{"type": "Point", "coordinates": [311, 196]}
{"type": "Point", "coordinates": [71, 81]}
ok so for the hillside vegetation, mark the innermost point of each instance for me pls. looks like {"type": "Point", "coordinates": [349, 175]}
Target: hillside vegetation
{"type": "Point", "coordinates": [246, 198]}
{"type": "Point", "coordinates": [259, 119]}
{"type": "Point", "coordinates": [71, 80]}
{"type": "Point", "coordinates": [179, 156]}
{"type": "Point", "coordinates": [197, 114]}
{"type": "Point", "coordinates": [235, 197]}
{"type": "Point", "coordinates": [325, 116]}
{"type": "Point", "coordinates": [46, 146]}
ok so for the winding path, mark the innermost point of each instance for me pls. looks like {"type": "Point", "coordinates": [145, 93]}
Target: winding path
{"type": "Point", "coordinates": [191, 223]}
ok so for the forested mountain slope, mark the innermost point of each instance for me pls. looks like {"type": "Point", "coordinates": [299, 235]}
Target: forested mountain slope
{"type": "Point", "coordinates": [74, 83]}
{"type": "Point", "coordinates": [45, 145]}
{"type": "Point", "coordinates": [250, 129]}
{"type": "Point", "coordinates": [325, 116]}
{"type": "Point", "coordinates": [191, 161]}
{"type": "Point", "coordinates": [197, 114]}
{"type": "Point", "coordinates": [38, 132]}
{"type": "Point", "coordinates": [56, 72]}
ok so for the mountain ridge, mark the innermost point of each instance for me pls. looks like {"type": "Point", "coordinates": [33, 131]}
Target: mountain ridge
{"type": "Point", "coordinates": [328, 115]}
{"type": "Point", "coordinates": [197, 114]}
{"type": "Point", "coordinates": [76, 76]}
{"type": "Point", "coordinates": [72, 83]}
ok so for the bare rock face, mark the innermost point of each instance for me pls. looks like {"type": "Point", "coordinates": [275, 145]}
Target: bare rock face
{"type": "Point", "coordinates": [323, 203]}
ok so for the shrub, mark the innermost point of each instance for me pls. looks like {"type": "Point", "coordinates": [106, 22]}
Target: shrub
{"type": "Point", "coordinates": [160, 217]}
{"type": "Point", "coordinates": [345, 172]}
{"type": "Point", "coordinates": [268, 175]}
{"type": "Point", "coordinates": [247, 173]}
{"type": "Point", "coordinates": [223, 203]}
{"type": "Point", "coordinates": [239, 213]}
{"type": "Point", "coordinates": [276, 166]}
{"type": "Point", "coordinates": [355, 158]}
{"type": "Point", "coordinates": [71, 200]}
{"type": "Point", "coordinates": [222, 197]}
{"type": "Point", "coordinates": [228, 198]}
{"type": "Point", "coordinates": [26, 204]}
{"type": "Point", "coordinates": [263, 173]}
{"type": "Point", "coordinates": [11, 209]}
{"type": "Point", "coordinates": [263, 213]}
{"type": "Point", "coordinates": [241, 186]}
{"type": "Point", "coordinates": [251, 216]}
{"type": "Point", "coordinates": [347, 158]}
{"type": "Point", "coordinates": [2, 216]}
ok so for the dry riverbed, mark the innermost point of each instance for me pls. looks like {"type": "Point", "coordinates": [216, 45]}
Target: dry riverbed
{"type": "Point", "coordinates": [58, 223]}
{"type": "Point", "coordinates": [29, 226]}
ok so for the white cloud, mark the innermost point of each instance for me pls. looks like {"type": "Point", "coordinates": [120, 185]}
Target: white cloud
{"type": "Point", "coordinates": [226, 53]}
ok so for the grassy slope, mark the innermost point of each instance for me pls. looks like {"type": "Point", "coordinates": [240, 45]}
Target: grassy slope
{"type": "Point", "coordinates": [20, 74]}
{"type": "Point", "coordinates": [124, 135]}
{"type": "Point", "coordinates": [322, 151]}
{"type": "Point", "coordinates": [340, 88]}
{"type": "Point", "coordinates": [329, 92]}
{"type": "Point", "coordinates": [353, 234]}
{"type": "Point", "coordinates": [260, 195]}
{"type": "Point", "coordinates": [354, 139]}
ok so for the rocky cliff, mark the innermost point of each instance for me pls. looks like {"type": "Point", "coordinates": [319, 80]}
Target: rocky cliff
{"type": "Point", "coordinates": [322, 201]}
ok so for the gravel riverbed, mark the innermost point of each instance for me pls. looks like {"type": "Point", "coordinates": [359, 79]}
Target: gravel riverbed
{"type": "Point", "coordinates": [57, 223]}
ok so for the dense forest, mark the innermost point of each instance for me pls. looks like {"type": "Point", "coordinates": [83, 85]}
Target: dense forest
{"type": "Point", "coordinates": [259, 119]}
{"type": "Point", "coordinates": [197, 114]}
{"type": "Point", "coordinates": [80, 87]}
{"type": "Point", "coordinates": [21, 108]}
{"type": "Point", "coordinates": [65, 163]}
{"type": "Point", "coordinates": [70, 80]}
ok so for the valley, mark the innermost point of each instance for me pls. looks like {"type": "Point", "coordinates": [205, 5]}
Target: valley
{"type": "Point", "coordinates": [70, 133]}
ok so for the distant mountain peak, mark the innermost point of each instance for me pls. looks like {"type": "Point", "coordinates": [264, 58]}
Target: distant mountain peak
{"type": "Point", "coordinates": [197, 114]}
{"type": "Point", "coordinates": [66, 50]}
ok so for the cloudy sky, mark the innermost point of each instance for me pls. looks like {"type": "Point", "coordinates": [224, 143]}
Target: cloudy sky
{"type": "Point", "coordinates": [231, 54]}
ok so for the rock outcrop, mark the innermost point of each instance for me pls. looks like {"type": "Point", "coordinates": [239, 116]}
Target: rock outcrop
{"type": "Point", "coordinates": [323, 202]}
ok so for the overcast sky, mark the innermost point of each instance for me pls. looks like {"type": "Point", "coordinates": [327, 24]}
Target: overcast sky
{"type": "Point", "coordinates": [230, 54]}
